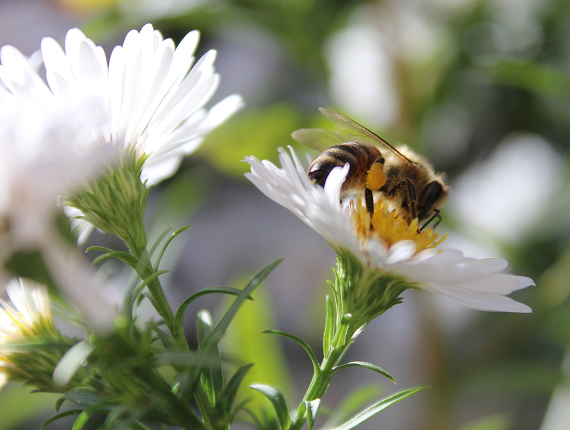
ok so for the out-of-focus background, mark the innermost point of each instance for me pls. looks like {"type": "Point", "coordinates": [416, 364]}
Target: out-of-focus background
{"type": "Point", "coordinates": [482, 88]}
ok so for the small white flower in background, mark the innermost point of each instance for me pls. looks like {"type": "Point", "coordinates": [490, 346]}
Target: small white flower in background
{"type": "Point", "coordinates": [392, 246]}
{"type": "Point", "coordinates": [29, 314]}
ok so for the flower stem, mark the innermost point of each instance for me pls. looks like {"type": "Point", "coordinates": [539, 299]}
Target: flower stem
{"type": "Point", "coordinates": [323, 375]}
{"type": "Point", "coordinates": [145, 269]}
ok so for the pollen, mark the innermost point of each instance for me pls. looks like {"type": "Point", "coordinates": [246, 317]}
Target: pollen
{"type": "Point", "coordinates": [390, 227]}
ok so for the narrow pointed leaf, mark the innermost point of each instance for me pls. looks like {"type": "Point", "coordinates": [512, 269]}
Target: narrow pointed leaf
{"type": "Point", "coordinates": [85, 416]}
{"type": "Point", "coordinates": [60, 415]}
{"type": "Point", "coordinates": [239, 407]}
{"type": "Point", "coordinates": [128, 259]}
{"type": "Point", "coordinates": [156, 242]}
{"type": "Point", "coordinates": [130, 298]}
{"type": "Point", "coordinates": [80, 397]}
{"type": "Point", "coordinates": [329, 326]}
{"type": "Point", "coordinates": [176, 233]}
{"type": "Point", "coordinates": [277, 401]}
{"type": "Point", "coordinates": [226, 319]}
{"type": "Point", "coordinates": [147, 296]}
{"type": "Point", "coordinates": [302, 343]}
{"type": "Point", "coordinates": [179, 318]}
{"type": "Point", "coordinates": [353, 401]}
{"type": "Point", "coordinates": [312, 411]}
{"type": "Point", "coordinates": [365, 365]}
{"type": "Point", "coordinates": [233, 385]}
{"type": "Point", "coordinates": [98, 248]}
{"type": "Point", "coordinates": [137, 425]}
{"type": "Point", "coordinates": [212, 377]}
{"type": "Point", "coordinates": [377, 407]}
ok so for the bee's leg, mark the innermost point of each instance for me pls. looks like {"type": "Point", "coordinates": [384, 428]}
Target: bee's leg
{"type": "Point", "coordinates": [410, 203]}
{"type": "Point", "coordinates": [413, 198]}
{"type": "Point", "coordinates": [369, 199]}
{"type": "Point", "coordinates": [437, 216]}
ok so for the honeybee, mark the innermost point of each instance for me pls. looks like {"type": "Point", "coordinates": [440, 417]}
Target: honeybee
{"type": "Point", "coordinates": [403, 179]}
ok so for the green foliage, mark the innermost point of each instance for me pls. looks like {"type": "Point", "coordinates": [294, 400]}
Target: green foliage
{"type": "Point", "coordinates": [277, 401]}
{"type": "Point", "coordinates": [353, 401]}
{"type": "Point", "coordinates": [365, 365]}
{"type": "Point", "coordinates": [302, 343]}
{"type": "Point", "coordinates": [378, 407]}
{"type": "Point", "coordinates": [363, 293]}
{"type": "Point", "coordinates": [492, 422]}
{"type": "Point", "coordinates": [246, 341]}
{"type": "Point", "coordinates": [116, 201]}
{"type": "Point", "coordinates": [258, 132]}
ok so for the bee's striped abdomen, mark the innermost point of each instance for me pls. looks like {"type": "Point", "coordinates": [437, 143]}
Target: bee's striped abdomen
{"type": "Point", "coordinates": [360, 157]}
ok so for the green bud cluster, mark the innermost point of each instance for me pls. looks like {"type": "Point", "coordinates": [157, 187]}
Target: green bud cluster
{"type": "Point", "coordinates": [32, 359]}
{"type": "Point", "coordinates": [363, 292]}
{"type": "Point", "coordinates": [115, 202]}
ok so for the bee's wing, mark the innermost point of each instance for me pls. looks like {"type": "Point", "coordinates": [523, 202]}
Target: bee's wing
{"type": "Point", "coordinates": [351, 131]}
{"type": "Point", "coordinates": [318, 139]}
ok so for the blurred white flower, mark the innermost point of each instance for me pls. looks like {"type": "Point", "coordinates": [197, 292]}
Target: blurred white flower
{"type": "Point", "coordinates": [154, 97]}
{"type": "Point", "coordinates": [30, 312]}
{"type": "Point", "coordinates": [391, 245]}
{"type": "Point", "coordinates": [512, 191]}
{"type": "Point", "coordinates": [43, 151]}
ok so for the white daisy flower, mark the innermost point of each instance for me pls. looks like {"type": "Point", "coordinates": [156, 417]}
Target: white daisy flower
{"type": "Point", "coordinates": [384, 243]}
{"type": "Point", "coordinates": [154, 93]}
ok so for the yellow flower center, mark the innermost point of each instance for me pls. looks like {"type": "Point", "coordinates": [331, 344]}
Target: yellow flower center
{"type": "Point", "coordinates": [389, 227]}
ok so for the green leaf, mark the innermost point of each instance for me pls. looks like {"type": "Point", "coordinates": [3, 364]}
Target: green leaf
{"type": "Point", "coordinates": [233, 385]}
{"type": "Point", "coordinates": [244, 339]}
{"type": "Point", "coordinates": [157, 241]}
{"type": "Point", "coordinates": [86, 415]}
{"type": "Point", "coordinates": [312, 411]}
{"type": "Point", "coordinates": [99, 248]}
{"type": "Point", "coordinates": [277, 401]}
{"type": "Point", "coordinates": [79, 396]}
{"type": "Point", "coordinates": [226, 319]}
{"type": "Point", "coordinates": [239, 407]}
{"type": "Point", "coordinates": [302, 343]}
{"type": "Point", "coordinates": [378, 407]}
{"type": "Point", "coordinates": [329, 326]}
{"type": "Point", "coordinates": [126, 258]}
{"type": "Point", "coordinates": [176, 233]}
{"type": "Point", "coordinates": [60, 415]}
{"type": "Point", "coordinates": [179, 318]}
{"type": "Point", "coordinates": [212, 377]}
{"type": "Point", "coordinates": [355, 400]}
{"type": "Point", "coordinates": [365, 365]}
{"type": "Point", "coordinates": [135, 293]}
